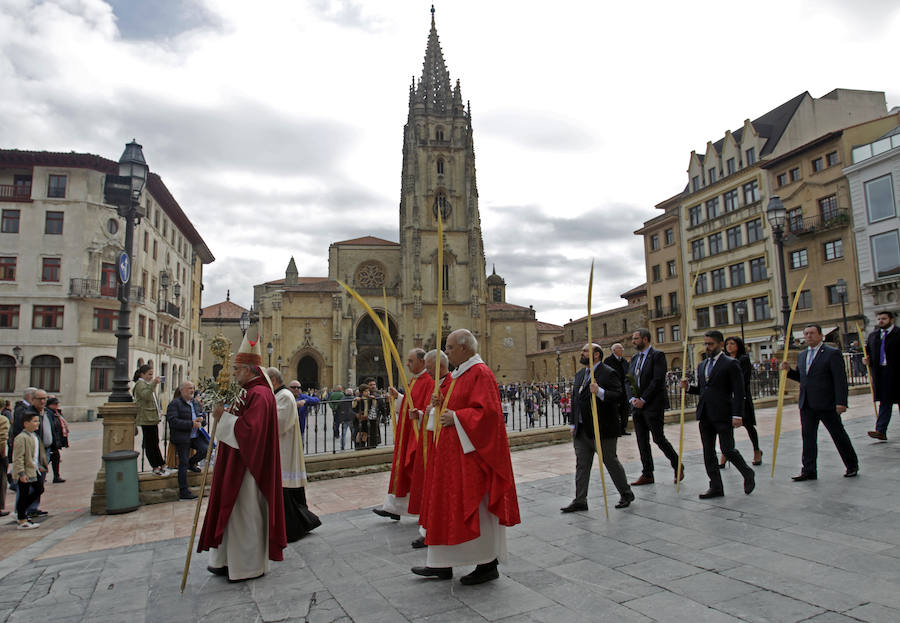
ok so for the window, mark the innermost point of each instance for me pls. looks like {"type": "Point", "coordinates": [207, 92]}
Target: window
{"type": "Point", "coordinates": [45, 372]}
{"type": "Point", "coordinates": [828, 207]}
{"type": "Point", "coordinates": [142, 325]}
{"type": "Point", "coordinates": [670, 268]}
{"type": "Point", "coordinates": [440, 166]}
{"type": "Point", "coordinates": [703, 317]}
{"type": "Point", "coordinates": [654, 242]}
{"type": "Point", "coordinates": [9, 316]}
{"type": "Point", "coordinates": [729, 166]}
{"type": "Point", "coordinates": [105, 319]}
{"type": "Point", "coordinates": [831, 292]}
{"type": "Point", "coordinates": [47, 317]}
{"type": "Point", "coordinates": [445, 278]}
{"type": "Point", "coordinates": [165, 227]}
{"type": "Point", "coordinates": [155, 217]}
{"type": "Point", "coordinates": [761, 309]}
{"type": "Point", "coordinates": [731, 200]}
{"type": "Point", "coordinates": [676, 333]}
{"type": "Point", "coordinates": [715, 243]}
{"type": "Point", "coordinates": [146, 241]}
{"type": "Point", "coordinates": [497, 295]}
{"type": "Point", "coordinates": [657, 305]}
{"type": "Point", "coordinates": [701, 287]}
{"type": "Point", "coordinates": [698, 249]}
{"type": "Point", "coordinates": [56, 187]}
{"type": "Point", "coordinates": [107, 279]}
{"type": "Point", "coordinates": [711, 175]}
{"type": "Point", "coordinates": [624, 325]}
{"type": "Point", "coordinates": [694, 214]}
{"type": "Point", "coordinates": [439, 134]}
{"type": "Point", "coordinates": [660, 335]}
{"type": "Point", "coordinates": [886, 254]}
{"type": "Point", "coordinates": [782, 179]}
{"type": "Point", "coordinates": [751, 192]}
{"type": "Point", "coordinates": [834, 249]}
{"type": "Point", "coordinates": [656, 273]}
{"type": "Point", "coordinates": [53, 222]}
{"type": "Point", "coordinates": [720, 314]}
{"type": "Point", "coordinates": [818, 164]}
{"type": "Point", "coordinates": [733, 235]}
{"type": "Point", "coordinates": [9, 222]}
{"type": "Point", "coordinates": [736, 272]}
{"type": "Point", "coordinates": [50, 268]}
{"type": "Point", "coordinates": [7, 375]}
{"type": "Point", "coordinates": [7, 269]}
{"type": "Point", "coordinates": [794, 219]}
{"type": "Point", "coordinates": [153, 288]}
{"type": "Point", "coordinates": [673, 301]}
{"type": "Point", "coordinates": [794, 174]}
{"type": "Point", "coordinates": [712, 208]}
{"type": "Point", "coordinates": [102, 369]}
{"type": "Point", "coordinates": [718, 279]}
{"type": "Point", "coordinates": [605, 330]}
{"type": "Point", "coordinates": [879, 200]}
{"type": "Point", "coordinates": [112, 226]}
{"type": "Point", "coordinates": [831, 158]}
{"type": "Point", "coordinates": [754, 230]}
{"type": "Point", "coordinates": [735, 309]}
{"type": "Point", "coordinates": [695, 183]}
{"type": "Point", "coordinates": [799, 259]}
{"type": "Point", "coordinates": [154, 249]}
{"type": "Point", "coordinates": [804, 301]}
{"type": "Point", "coordinates": [758, 269]}
{"type": "Point", "coordinates": [751, 156]}
{"type": "Point", "coordinates": [670, 236]}
{"type": "Point", "coordinates": [151, 326]}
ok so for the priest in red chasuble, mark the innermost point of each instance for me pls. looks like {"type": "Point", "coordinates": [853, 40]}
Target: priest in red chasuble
{"type": "Point", "coordinates": [244, 523]}
{"type": "Point", "coordinates": [400, 496]}
{"type": "Point", "coordinates": [471, 495]}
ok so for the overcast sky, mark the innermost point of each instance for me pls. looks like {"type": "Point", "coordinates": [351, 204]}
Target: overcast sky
{"type": "Point", "coordinates": [277, 125]}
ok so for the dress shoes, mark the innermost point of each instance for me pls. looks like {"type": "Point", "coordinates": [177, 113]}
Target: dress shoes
{"type": "Point", "coordinates": [711, 493]}
{"type": "Point", "coordinates": [626, 500]}
{"type": "Point", "coordinates": [419, 543]}
{"type": "Point", "coordinates": [187, 495]}
{"type": "Point", "coordinates": [483, 573]}
{"type": "Point", "coordinates": [802, 477]}
{"type": "Point", "coordinates": [874, 434]}
{"type": "Point", "coordinates": [851, 473]}
{"type": "Point", "coordinates": [643, 480]}
{"type": "Point", "coordinates": [441, 573]}
{"type": "Point", "coordinates": [749, 483]}
{"type": "Point", "coordinates": [757, 457]}
{"type": "Point", "coordinates": [58, 480]}
{"type": "Point", "coordinates": [195, 469]}
{"type": "Point", "coordinates": [383, 513]}
{"type": "Point", "coordinates": [222, 571]}
{"type": "Point", "coordinates": [573, 507]}
{"type": "Point", "coordinates": [679, 475]}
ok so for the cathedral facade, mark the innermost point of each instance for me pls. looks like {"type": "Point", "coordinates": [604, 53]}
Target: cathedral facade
{"type": "Point", "coordinates": [324, 337]}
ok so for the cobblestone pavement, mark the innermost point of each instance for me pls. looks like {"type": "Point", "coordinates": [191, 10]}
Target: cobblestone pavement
{"type": "Point", "coordinates": [824, 551]}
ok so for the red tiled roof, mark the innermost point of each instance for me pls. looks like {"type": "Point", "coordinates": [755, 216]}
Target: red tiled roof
{"type": "Point", "coordinates": [300, 281]}
{"type": "Point", "coordinates": [636, 290]}
{"type": "Point", "coordinates": [507, 307]}
{"type": "Point", "coordinates": [369, 240]}
{"type": "Point", "coordinates": [225, 310]}
{"type": "Point", "coordinates": [546, 326]}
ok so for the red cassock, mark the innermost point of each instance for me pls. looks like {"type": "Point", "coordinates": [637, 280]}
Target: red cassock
{"type": "Point", "coordinates": [458, 482]}
{"type": "Point", "coordinates": [256, 431]}
{"type": "Point", "coordinates": [406, 452]}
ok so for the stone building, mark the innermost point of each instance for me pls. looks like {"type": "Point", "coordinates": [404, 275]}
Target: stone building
{"type": "Point", "coordinates": [58, 307]}
{"type": "Point", "coordinates": [221, 318]}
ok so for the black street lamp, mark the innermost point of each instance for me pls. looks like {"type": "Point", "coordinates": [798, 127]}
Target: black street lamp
{"type": "Point", "coordinates": [558, 369]}
{"type": "Point", "coordinates": [740, 309]}
{"type": "Point", "coordinates": [270, 349]}
{"type": "Point", "coordinates": [244, 322]}
{"type": "Point", "coordinates": [124, 191]}
{"type": "Point", "coordinates": [775, 214]}
{"type": "Point", "coordinates": [841, 288]}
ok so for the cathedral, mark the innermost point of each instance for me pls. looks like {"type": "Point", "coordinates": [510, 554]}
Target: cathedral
{"type": "Point", "coordinates": [323, 337]}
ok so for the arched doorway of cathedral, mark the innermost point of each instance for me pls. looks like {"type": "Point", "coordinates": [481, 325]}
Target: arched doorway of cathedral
{"type": "Point", "coordinates": [370, 362]}
{"type": "Point", "coordinates": [308, 373]}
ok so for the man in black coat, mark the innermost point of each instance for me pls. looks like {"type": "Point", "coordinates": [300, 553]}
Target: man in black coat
{"type": "Point", "coordinates": [883, 357]}
{"type": "Point", "coordinates": [617, 362]}
{"type": "Point", "coordinates": [606, 390]}
{"type": "Point", "coordinates": [823, 397]}
{"type": "Point", "coordinates": [649, 399]}
{"type": "Point", "coordinates": [721, 390]}
{"type": "Point", "coordinates": [184, 415]}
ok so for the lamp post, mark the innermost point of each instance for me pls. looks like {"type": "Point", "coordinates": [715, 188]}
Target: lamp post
{"type": "Point", "coordinates": [124, 191]}
{"type": "Point", "coordinates": [244, 322]}
{"type": "Point", "coordinates": [841, 288]}
{"type": "Point", "coordinates": [558, 370]}
{"type": "Point", "coordinates": [270, 349]}
{"type": "Point", "coordinates": [279, 364]}
{"type": "Point", "coordinates": [740, 309]}
{"type": "Point", "coordinates": [775, 214]}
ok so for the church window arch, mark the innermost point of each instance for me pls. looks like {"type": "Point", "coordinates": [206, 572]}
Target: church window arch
{"type": "Point", "coordinates": [498, 295]}
{"type": "Point", "coordinates": [370, 275]}
{"type": "Point", "coordinates": [441, 201]}
{"type": "Point", "coordinates": [440, 166]}
{"type": "Point", "coordinates": [439, 133]}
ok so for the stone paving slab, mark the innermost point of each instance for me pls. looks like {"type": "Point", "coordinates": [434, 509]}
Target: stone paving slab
{"type": "Point", "coordinates": [826, 551]}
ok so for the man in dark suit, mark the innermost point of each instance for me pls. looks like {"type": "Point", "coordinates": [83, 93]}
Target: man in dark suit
{"type": "Point", "coordinates": [720, 386]}
{"type": "Point", "coordinates": [184, 416]}
{"type": "Point", "coordinates": [606, 390]}
{"type": "Point", "coordinates": [646, 391]}
{"type": "Point", "coordinates": [823, 397]}
{"type": "Point", "coordinates": [617, 362]}
{"type": "Point", "coordinates": [883, 358]}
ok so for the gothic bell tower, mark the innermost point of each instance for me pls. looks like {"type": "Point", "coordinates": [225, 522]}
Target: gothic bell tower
{"type": "Point", "coordinates": [439, 175]}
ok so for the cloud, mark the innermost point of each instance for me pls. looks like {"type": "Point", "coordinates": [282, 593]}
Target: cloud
{"type": "Point", "coordinates": [346, 13]}
{"type": "Point", "coordinates": [539, 130]}
{"type": "Point", "coordinates": [160, 19]}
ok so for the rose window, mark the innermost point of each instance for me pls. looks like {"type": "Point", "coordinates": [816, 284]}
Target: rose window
{"type": "Point", "coordinates": [370, 276]}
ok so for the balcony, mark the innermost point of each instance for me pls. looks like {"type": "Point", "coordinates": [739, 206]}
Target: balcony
{"type": "Point", "coordinates": [664, 312]}
{"type": "Point", "coordinates": [80, 288]}
{"type": "Point", "coordinates": [15, 192]}
{"type": "Point", "coordinates": [166, 307]}
{"type": "Point", "coordinates": [813, 224]}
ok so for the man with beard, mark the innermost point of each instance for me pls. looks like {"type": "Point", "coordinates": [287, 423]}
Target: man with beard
{"type": "Point", "coordinates": [244, 523]}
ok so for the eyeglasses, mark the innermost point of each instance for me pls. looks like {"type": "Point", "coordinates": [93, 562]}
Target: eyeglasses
{"type": "Point", "coordinates": [294, 387]}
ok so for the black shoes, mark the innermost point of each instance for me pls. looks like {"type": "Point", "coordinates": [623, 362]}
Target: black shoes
{"type": "Point", "coordinates": [625, 500]}
{"type": "Point", "coordinates": [419, 543]}
{"type": "Point", "coordinates": [195, 469]}
{"type": "Point", "coordinates": [571, 508]}
{"type": "Point", "coordinates": [218, 570]}
{"type": "Point", "coordinates": [483, 573]}
{"type": "Point", "coordinates": [441, 573]}
{"type": "Point", "coordinates": [749, 483]}
{"type": "Point", "coordinates": [58, 480]}
{"type": "Point", "coordinates": [712, 493]}
{"type": "Point", "coordinates": [383, 513]}
{"type": "Point", "coordinates": [186, 495]}
{"type": "Point", "coordinates": [801, 477]}
{"type": "Point", "coordinates": [851, 473]}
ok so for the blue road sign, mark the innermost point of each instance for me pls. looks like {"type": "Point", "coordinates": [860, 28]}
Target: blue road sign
{"type": "Point", "coordinates": [124, 264]}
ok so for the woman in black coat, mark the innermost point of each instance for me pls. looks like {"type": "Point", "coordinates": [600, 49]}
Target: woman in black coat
{"type": "Point", "coordinates": [735, 348]}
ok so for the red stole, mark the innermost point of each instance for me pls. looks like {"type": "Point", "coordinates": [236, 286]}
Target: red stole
{"type": "Point", "coordinates": [256, 431]}
{"type": "Point", "coordinates": [406, 444]}
{"type": "Point", "coordinates": [459, 481]}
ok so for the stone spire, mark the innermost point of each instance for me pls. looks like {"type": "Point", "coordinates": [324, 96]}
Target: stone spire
{"type": "Point", "coordinates": [291, 274]}
{"type": "Point", "coordinates": [434, 89]}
